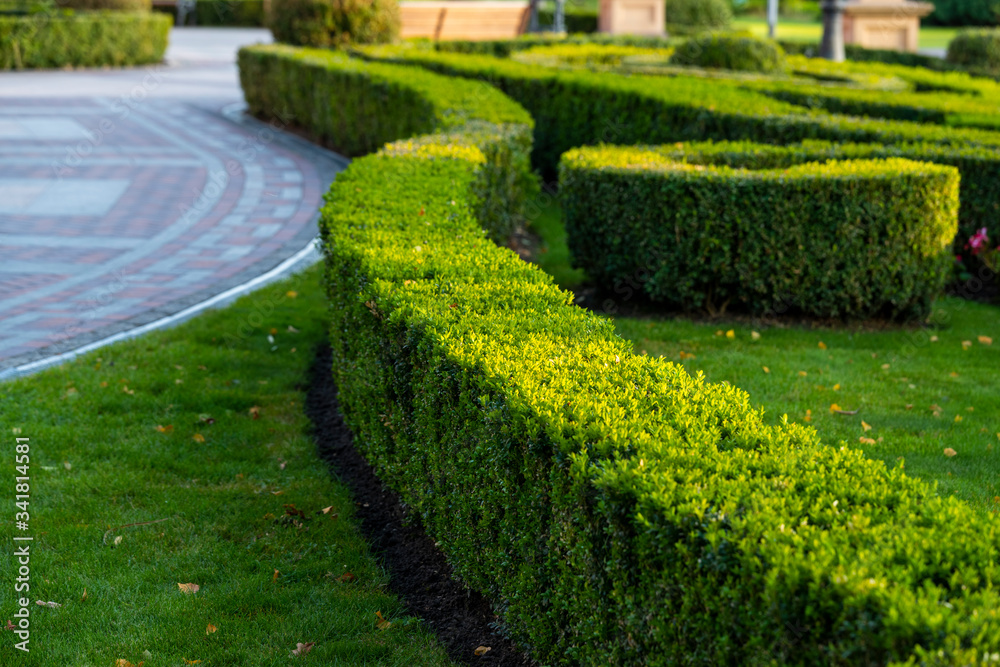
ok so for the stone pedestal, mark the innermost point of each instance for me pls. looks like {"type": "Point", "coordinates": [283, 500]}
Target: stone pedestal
{"type": "Point", "coordinates": [884, 24]}
{"type": "Point", "coordinates": [632, 17]}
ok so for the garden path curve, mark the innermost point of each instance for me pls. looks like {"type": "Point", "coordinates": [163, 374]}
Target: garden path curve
{"type": "Point", "coordinates": [129, 198]}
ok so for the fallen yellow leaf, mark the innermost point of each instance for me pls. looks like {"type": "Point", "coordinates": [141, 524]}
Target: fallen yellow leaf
{"type": "Point", "coordinates": [985, 340]}
{"type": "Point", "coordinates": [189, 588]}
{"type": "Point", "coordinates": [302, 649]}
{"type": "Point", "coordinates": [836, 387]}
{"type": "Point", "coordinates": [834, 407]}
{"type": "Point", "coordinates": [210, 629]}
{"type": "Point", "coordinates": [730, 334]}
{"type": "Point", "coordinates": [380, 621]}
{"type": "Point", "coordinates": [276, 573]}
{"type": "Point", "coordinates": [754, 335]}
{"type": "Point", "coordinates": [949, 452]}
{"type": "Point", "coordinates": [885, 367]}
{"type": "Point", "coordinates": [198, 437]}
{"type": "Point", "coordinates": [766, 369]}
{"type": "Point", "coordinates": [803, 373]}
{"type": "Point", "coordinates": [190, 662]}
{"type": "Point", "coordinates": [934, 339]}
{"type": "Point", "coordinates": [866, 441]}
{"type": "Point", "coordinates": [966, 344]}
{"type": "Point", "coordinates": [482, 650]}
{"type": "Point", "coordinates": [291, 294]}
{"type": "Point", "coordinates": [866, 426]}
{"type": "Point", "coordinates": [83, 598]}
{"type": "Point", "coordinates": [958, 418]}
{"type": "Point", "coordinates": [822, 345]}
{"type": "Point", "coordinates": [165, 429]}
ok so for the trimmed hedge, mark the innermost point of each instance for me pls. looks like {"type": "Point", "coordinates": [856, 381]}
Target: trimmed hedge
{"type": "Point", "coordinates": [91, 39]}
{"type": "Point", "coordinates": [110, 5]}
{"type": "Point", "coordinates": [976, 49]}
{"type": "Point", "coordinates": [689, 17]}
{"type": "Point", "coordinates": [589, 55]}
{"type": "Point", "coordinates": [618, 510]}
{"type": "Point", "coordinates": [577, 108]}
{"type": "Point", "coordinates": [503, 48]}
{"type": "Point", "coordinates": [336, 23]}
{"type": "Point", "coordinates": [849, 239]}
{"type": "Point", "coordinates": [731, 51]}
{"type": "Point", "coordinates": [358, 107]}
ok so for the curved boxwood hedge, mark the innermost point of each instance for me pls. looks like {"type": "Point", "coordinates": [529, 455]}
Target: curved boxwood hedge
{"type": "Point", "coordinates": [85, 39]}
{"type": "Point", "coordinates": [617, 509]}
{"type": "Point", "coordinates": [578, 108]}
{"type": "Point", "coordinates": [358, 107]}
{"type": "Point", "coordinates": [858, 239]}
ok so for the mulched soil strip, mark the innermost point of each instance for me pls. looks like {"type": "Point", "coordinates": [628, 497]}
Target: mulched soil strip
{"type": "Point", "coordinates": [419, 574]}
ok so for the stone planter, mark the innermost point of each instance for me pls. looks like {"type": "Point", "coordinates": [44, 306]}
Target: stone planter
{"type": "Point", "coordinates": [884, 24]}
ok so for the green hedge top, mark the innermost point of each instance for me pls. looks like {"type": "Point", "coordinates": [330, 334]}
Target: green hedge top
{"type": "Point", "coordinates": [574, 108]}
{"type": "Point", "coordinates": [372, 104]}
{"type": "Point", "coordinates": [848, 239]}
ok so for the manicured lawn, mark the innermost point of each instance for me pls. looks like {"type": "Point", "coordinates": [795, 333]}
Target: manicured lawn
{"type": "Point", "coordinates": [203, 426]}
{"type": "Point", "coordinates": [918, 397]}
{"type": "Point", "coordinates": [812, 31]}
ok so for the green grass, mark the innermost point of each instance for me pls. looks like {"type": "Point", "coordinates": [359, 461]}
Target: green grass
{"type": "Point", "coordinates": [99, 462]}
{"type": "Point", "coordinates": [919, 397]}
{"type": "Point", "coordinates": [798, 30]}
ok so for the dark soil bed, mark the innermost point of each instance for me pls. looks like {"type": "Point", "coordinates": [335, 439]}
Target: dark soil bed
{"type": "Point", "coordinates": [420, 576]}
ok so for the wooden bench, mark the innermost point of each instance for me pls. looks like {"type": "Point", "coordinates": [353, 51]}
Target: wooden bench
{"type": "Point", "coordinates": [464, 19]}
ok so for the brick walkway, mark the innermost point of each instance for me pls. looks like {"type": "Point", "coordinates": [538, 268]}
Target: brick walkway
{"type": "Point", "coordinates": [116, 212]}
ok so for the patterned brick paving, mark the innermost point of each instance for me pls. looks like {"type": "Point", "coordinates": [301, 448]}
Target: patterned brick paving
{"type": "Point", "coordinates": [114, 215]}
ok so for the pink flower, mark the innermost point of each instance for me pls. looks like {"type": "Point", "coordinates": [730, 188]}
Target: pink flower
{"type": "Point", "coordinates": [978, 241]}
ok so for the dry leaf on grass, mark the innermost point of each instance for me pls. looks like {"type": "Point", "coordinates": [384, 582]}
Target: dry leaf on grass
{"type": "Point", "coordinates": [210, 629]}
{"type": "Point", "coordinates": [866, 441]}
{"type": "Point", "coordinates": [198, 437]}
{"type": "Point", "coordinates": [302, 649]}
{"type": "Point", "coordinates": [254, 412]}
{"type": "Point", "coordinates": [380, 621]}
{"type": "Point", "coordinates": [822, 345]}
{"type": "Point", "coordinates": [165, 429]}
{"type": "Point", "coordinates": [50, 605]}
{"type": "Point", "coordinates": [949, 452]}
{"type": "Point", "coordinates": [985, 340]}
{"type": "Point", "coordinates": [866, 426]}
{"type": "Point", "coordinates": [346, 578]}
{"type": "Point", "coordinates": [276, 573]}
{"type": "Point", "coordinates": [482, 650]}
{"type": "Point", "coordinates": [189, 588]}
